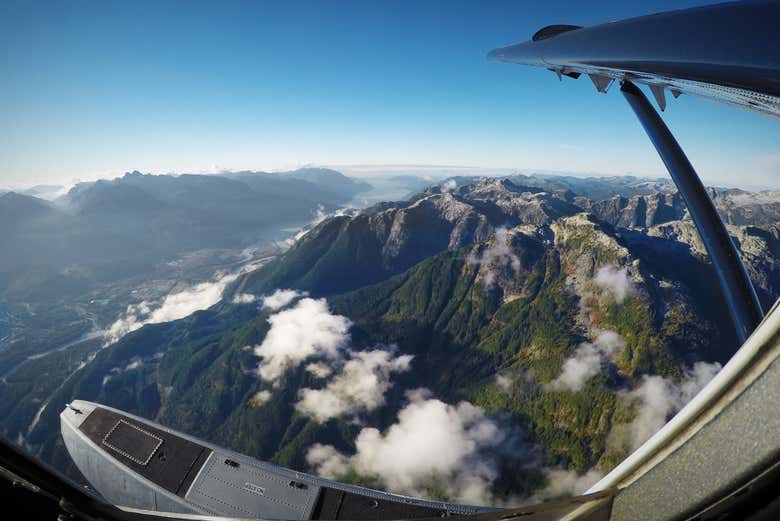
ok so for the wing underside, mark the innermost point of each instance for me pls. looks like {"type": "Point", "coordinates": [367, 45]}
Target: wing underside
{"type": "Point", "coordinates": [725, 53]}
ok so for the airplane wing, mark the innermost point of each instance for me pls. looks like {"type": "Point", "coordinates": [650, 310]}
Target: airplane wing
{"type": "Point", "coordinates": [724, 52]}
{"type": "Point", "coordinates": [706, 462]}
{"type": "Point", "coordinates": [716, 459]}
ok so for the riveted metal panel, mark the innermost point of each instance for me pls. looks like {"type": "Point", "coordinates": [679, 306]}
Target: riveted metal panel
{"type": "Point", "coordinates": [246, 490]}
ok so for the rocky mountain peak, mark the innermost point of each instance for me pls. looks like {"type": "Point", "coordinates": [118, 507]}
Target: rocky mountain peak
{"type": "Point", "coordinates": [585, 243]}
{"type": "Point", "coordinates": [498, 186]}
{"type": "Point", "coordinates": [640, 211]}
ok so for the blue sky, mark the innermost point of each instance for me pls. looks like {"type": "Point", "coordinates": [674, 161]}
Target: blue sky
{"type": "Point", "coordinates": [93, 89]}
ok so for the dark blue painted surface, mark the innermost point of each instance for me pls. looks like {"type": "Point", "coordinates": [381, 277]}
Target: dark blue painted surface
{"type": "Point", "coordinates": [733, 45]}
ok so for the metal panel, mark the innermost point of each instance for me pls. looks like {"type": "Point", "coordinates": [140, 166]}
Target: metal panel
{"type": "Point", "coordinates": [160, 456]}
{"type": "Point", "coordinates": [132, 442]}
{"type": "Point", "coordinates": [100, 419]}
{"type": "Point", "coordinates": [115, 482]}
{"type": "Point", "coordinates": [245, 490]}
{"type": "Point", "coordinates": [719, 458]}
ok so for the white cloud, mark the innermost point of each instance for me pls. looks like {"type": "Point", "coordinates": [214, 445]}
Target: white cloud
{"type": "Point", "coordinates": [328, 461]}
{"type": "Point", "coordinates": [567, 483]}
{"type": "Point", "coordinates": [319, 370]}
{"type": "Point", "coordinates": [359, 386]}
{"type": "Point", "coordinates": [615, 280]}
{"type": "Point", "coordinates": [186, 302]}
{"type": "Point", "coordinates": [131, 321]}
{"type": "Point", "coordinates": [660, 397]}
{"type": "Point", "coordinates": [260, 398]}
{"type": "Point", "coordinates": [696, 378]}
{"type": "Point", "coordinates": [431, 442]}
{"type": "Point", "coordinates": [584, 365]}
{"type": "Point", "coordinates": [135, 364]}
{"type": "Point", "coordinates": [449, 185]}
{"type": "Point", "coordinates": [281, 298]}
{"type": "Point", "coordinates": [319, 216]}
{"type": "Point", "coordinates": [587, 360]}
{"type": "Point", "coordinates": [309, 330]}
{"type": "Point", "coordinates": [306, 330]}
{"type": "Point", "coordinates": [498, 255]}
{"type": "Point", "coordinates": [503, 382]}
{"type": "Point", "coordinates": [244, 298]}
{"type": "Point", "coordinates": [174, 305]}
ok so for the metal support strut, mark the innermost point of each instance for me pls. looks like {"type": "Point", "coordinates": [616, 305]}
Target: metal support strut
{"type": "Point", "coordinates": [735, 284]}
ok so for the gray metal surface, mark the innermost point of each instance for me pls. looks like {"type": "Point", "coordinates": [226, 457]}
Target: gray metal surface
{"type": "Point", "coordinates": [131, 441]}
{"type": "Point", "coordinates": [740, 442]}
{"type": "Point", "coordinates": [115, 482]}
{"type": "Point", "coordinates": [250, 491]}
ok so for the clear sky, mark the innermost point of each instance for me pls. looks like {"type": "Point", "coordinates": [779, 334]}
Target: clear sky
{"type": "Point", "coordinates": [92, 89]}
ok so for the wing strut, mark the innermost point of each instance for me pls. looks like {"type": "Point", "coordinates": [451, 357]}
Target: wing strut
{"type": "Point", "coordinates": [735, 284]}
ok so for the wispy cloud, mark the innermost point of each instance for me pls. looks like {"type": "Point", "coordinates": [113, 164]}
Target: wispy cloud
{"type": "Point", "coordinates": [503, 382]}
{"type": "Point", "coordinates": [498, 256]}
{"type": "Point", "coordinates": [660, 397]}
{"type": "Point", "coordinates": [359, 386]}
{"type": "Point", "coordinates": [615, 280]}
{"type": "Point", "coordinates": [449, 185]}
{"type": "Point", "coordinates": [173, 306]}
{"type": "Point", "coordinates": [319, 216]}
{"type": "Point", "coordinates": [281, 298]}
{"type": "Point", "coordinates": [303, 331]}
{"type": "Point", "coordinates": [133, 364]}
{"type": "Point", "coordinates": [260, 398]}
{"type": "Point", "coordinates": [319, 369]}
{"type": "Point", "coordinates": [567, 483]}
{"type": "Point", "coordinates": [244, 298]}
{"type": "Point", "coordinates": [587, 361]}
{"type": "Point", "coordinates": [431, 443]}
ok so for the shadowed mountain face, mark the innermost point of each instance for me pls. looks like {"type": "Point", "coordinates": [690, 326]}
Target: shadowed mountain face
{"type": "Point", "coordinates": [244, 200]}
{"type": "Point", "coordinates": [569, 328]}
{"type": "Point", "coordinates": [639, 211]}
{"type": "Point", "coordinates": [346, 253]}
{"type": "Point", "coordinates": [18, 209]}
{"type": "Point", "coordinates": [748, 208]}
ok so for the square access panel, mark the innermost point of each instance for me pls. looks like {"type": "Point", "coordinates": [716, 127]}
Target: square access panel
{"type": "Point", "coordinates": [132, 442]}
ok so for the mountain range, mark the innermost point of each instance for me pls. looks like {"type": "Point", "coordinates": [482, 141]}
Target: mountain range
{"type": "Point", "coordinates": [569, 328]}
{"type": "Point", "coordinates": [72, 264]}
{"type": "Point", "coordinates": [136, 220]}
{"type": "Point", "coordinates": [100, 240]}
